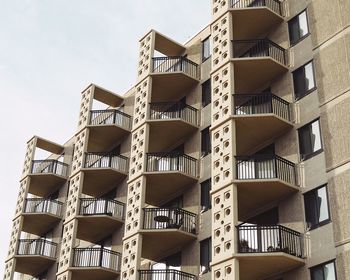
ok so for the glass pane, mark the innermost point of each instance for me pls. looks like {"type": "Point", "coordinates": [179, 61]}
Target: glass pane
{"type": "Point", "coordinates": [305, 142]}
{"type": "Point", "coordinates": [293, 27]}
{"type": "Point", "coordinates": [206, 48]}
{"type": "Point", "coordinates": [317, 273]}
{"type": "Point", "coordinates": [329, 272]}
{"type": "Point", "coordinates": [322, 204]}
{"type": "Point", "coordinates": [315, 136]}
{"type": "Point", "coordinates": [303, 28]}
{"type": "Point", "coordinates": [311, 209]}
{"type": "Point", "coordinates": [309, 76]}
{"type": "Point", "coordinates": [299, 82]}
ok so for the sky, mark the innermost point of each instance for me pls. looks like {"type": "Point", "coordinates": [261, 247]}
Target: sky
{"type": "Point", "coordinates": [50, 50]}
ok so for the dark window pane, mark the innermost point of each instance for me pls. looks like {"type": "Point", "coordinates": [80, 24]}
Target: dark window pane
{"type": "Point", "coordinates": [205, 255]}
{"type": "Point", "coordinates": [205, 195]}
{"type": "Point", "coordinates": [310, 139]}
{"type": "Point", "coordinates": [324, 272]}
{"type": "Point", "coordinates": [311, 214]}
{"type": "Point", "coordinates": [206, 53]}
{"type": "Point", "coordinates": [206, 144]}
{"type": "Point", "coordinates": [298, 27]}
{"type": "Point", "coordinates": [317, 274]}
{"type": "Point", "coordinates": [303, 80]}
{"type": "Point", "coordinates": [206, 93]}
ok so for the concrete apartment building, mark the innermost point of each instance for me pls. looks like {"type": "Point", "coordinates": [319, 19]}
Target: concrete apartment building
{"type": "Point", "coordinates": [228, 159]}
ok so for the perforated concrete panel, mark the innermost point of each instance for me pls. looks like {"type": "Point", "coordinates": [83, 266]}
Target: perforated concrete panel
{"type": "Point", "coordinates": [67, 245]}
{"type": "Point", "coordinates": [145, 55]}
{"type": "Point", "coordinates": [79, 150]}
{"type": "Point", "coordinates": [29, 156]}
{"type": "Point", "coordinates": [131, 257]}
{"type": "Point", "coordinates": [219, 7]}
{"type": "Point", "coordinates": [142, 100]}
{"type": "Point", "coordinates": [85, 107]}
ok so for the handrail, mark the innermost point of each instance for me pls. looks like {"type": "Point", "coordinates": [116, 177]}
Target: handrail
{"type": "Point", "coordinates": [101, 206]}
{"type": "Point", "coordinates": [37, 247]}
{"type": "Point", "coordinates": [106, 160]}
{"type": "Point", "coordinates": [165, 274]}
{"type": "Point", "coordinates": [110, 116]}
{"type": "Point", "coordinates": [49, 166]}
{"type": "Point", "coordinates": [42, 205]}
{"type": "Point", "coordinates": [169, 64]}
{"type": "Point", "coordinates": [274, 5]}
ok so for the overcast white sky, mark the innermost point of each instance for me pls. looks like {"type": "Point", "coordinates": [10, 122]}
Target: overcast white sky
{"type": "Point", "coordinates": [50, 50]}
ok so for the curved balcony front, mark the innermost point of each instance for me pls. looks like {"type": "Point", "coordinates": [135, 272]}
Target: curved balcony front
{"type": "Point", "coordinates": [106, 128]}
{"type": "Point", "coordinates": [172, 76]}
{"type": "Point", "coordinates": [262, 179]}
{"type": "Point", "coordinates": [103, 172]}
{"type": "Point", "coordinates": [47, 176]}
{"type": "Point", "coordinates": [167, 174]}
{"type": "Point", "coordinates": [98, 218]}
{"type": "Point", "coordinates": [264, 251]}
{"type": "Point", "coordinates": [40, 215]}
{"type": "Point", "coordinates": [166, 229]}
{"type": "Point", "coordinates": [169, 123]}
{"type": "Point", "coordinates": [255, 18]}
{"type": "Point", "coordinates": [259, 118]}
{"type": "Point", "coordinates": [165, 274]}
{"type": "Point", "coordinates": [34, 256]}
{"type": "Point", "coordinates": [95, 263]}
{"type": "Point", "coordinates": [256, 63]}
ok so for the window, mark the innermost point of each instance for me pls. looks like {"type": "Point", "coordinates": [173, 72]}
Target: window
{"type": "Point", "coordinates": [206, 93]}
{"type": "Point", "coordinates": [206, 53]}
{"type": "Point", "coordinates": [316, 207]}
{"type": "Point", "coordinates": [205, 195]}
{"type": "Point", "coordinates": [304, 80]}
{"type": "Point", "coordinates": [206, 145]}
{"type": "Point", "coordinates": [298, 28]}
{"type": "Point", "coordinates": [310, 142]}
{"type": "Point", "coordinates": [324, 271]}
{"type": "Point", "coordinates": [205, 255]}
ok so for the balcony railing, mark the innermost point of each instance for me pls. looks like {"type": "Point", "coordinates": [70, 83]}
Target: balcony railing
{"type": "Point", "coordinates": [165, 162]}
{"type": "Point", "coordinates": [175, 64]}
{"type": "Point", "coordinates": [165, 274]}
{"type": "Point", "coordinates": [96, 257]}
{"type": "Point", "coordinates": [274, 5]}
{"type": "Point", "coordinates": [110, 117]}
{"type": "Point", "coordinates": [102, 160]}
{"type": "Point", "coordinates": [259, 48]}
{"type": "Point", "coordinates": [268, 239]}
{"type": "Point", "coordinates": [41, 205]}
{"type": "Point", "coordinates": [173, 110]}
{"type": "Point", "coordinates": [36, 247]}
{"type": "Point", "coordinates": [264, 103]}
{"type": "Point", "coordinates": [101, 206]}
{"type": "Point", "coordinates": [169, 218]}
{"type": "Point", "coordinates": [265, 167]}
{"type": "Point", "coordinates": [49, 166]}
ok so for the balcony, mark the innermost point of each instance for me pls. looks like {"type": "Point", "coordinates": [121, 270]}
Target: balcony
{"type": "Point", "coordinates": [165, 274]}
{"type": "Point", "coordinates": [95, 263]}
{"type": "Point", "coordinates": [98, 218]}
{"type": "Point", "coordinates": [259, 118]}
{"type": "Point", "coordinates": [165, 229]}
{"type": "Point", "coordinates": [257, 63]}
{"type": "Point", "coordinates": [262, 179]}
{"type": "Point", "coordinates": [40, 215]}
{"type": "Point", "coordinates": [172, 76]}
{"type": "Point", "coordinates": [270, 250]}
{"type": "Point", "coordinates": [173, 121]}
{"type": "Point", "coordinates": [47, 176]}
{"type": "Point", "coordinates": [255, 18]}
{"type": "Point", "coordinates": [107, 127]}
{"type": "Point", "coordinates": [102, 172]}
{"type": "Point", "coordinates": [34, 256]}
{"type": "Point", "coordinates": [168, 173]}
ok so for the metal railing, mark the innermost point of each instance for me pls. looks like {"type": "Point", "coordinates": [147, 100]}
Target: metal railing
{"type": "Point", "coordinates": [41, 205]}
{"type": "Point", "coordinates": [36, 247]}
{"type": "Point", "coordinates": [101, 160]}
{"type": "Point", "coordinates": [49, 166]}
{"type": "Point", "coordinates": [259, 48]}
{"type": "Point", "coordinates": [171, 161]}
{"type": "Point", "coordinates": [173, 110]}
{"type": "Point", "coordinates": [169, 218]}
{"type": "Point", "coordinates": [101, 206]}
{"type": "Point", "coordinates": [165, 274]}
{"type": "Point", "coordinates": [96, 257]}
{"type": "Point", "coordinates": [265, 167]}
{"type": "Point", "coordinates": [175, 64]}
{"type": "Point", "coordinates": [274, 5]}
{"type": "Point", "coordinates": [110, 116]}
{"type": "Point", "coordinates": [268, 239]}
{"type": "Point", "coordinates": [263, 103]}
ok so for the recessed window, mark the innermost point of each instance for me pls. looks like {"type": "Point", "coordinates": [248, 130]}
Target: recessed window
{"type": "Point", "coordinates": [206, 52]}
{"type": "Point", "coordinates": [324, 271]}
{"type": "Point", "coordinates": [316, 207]}
{"type": "Point", "coordinates": [310, 142]}
{"type": "Point", "coordinates": [205, 255]}
{"type": "Point", "coordinates": [206, 93]}
{"type": "Point", "coordinates": [205, 195]}
{"type": "Point", "coordinates": [304, 80]}
{"type": "Point", "coordinates": [298, 28]}
{"type": "Point", "coordinates": [206, 143]}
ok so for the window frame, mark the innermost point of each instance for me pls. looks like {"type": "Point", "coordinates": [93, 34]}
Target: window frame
{"type": "Point", "coordinates": [205, 104]}
{"type": "Point", "coordinates": [292, 44]}
{"type": "Point", "coordinates": [202, 52]}
{"type": "Point", "coordinates": [323, 265]}
{"type": "Point", "coordinates": [209, 186]}
{"type": "Point", "coordinates": [206, 152]}
{"type": "Point", "coordinates": [315, 153]}
{"type": "Point", "coordinates": [307, 92]}
{"type": "Point", "coordinates": [324, 222]}
{"type": "Point", "coordinates": [209, 257]}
